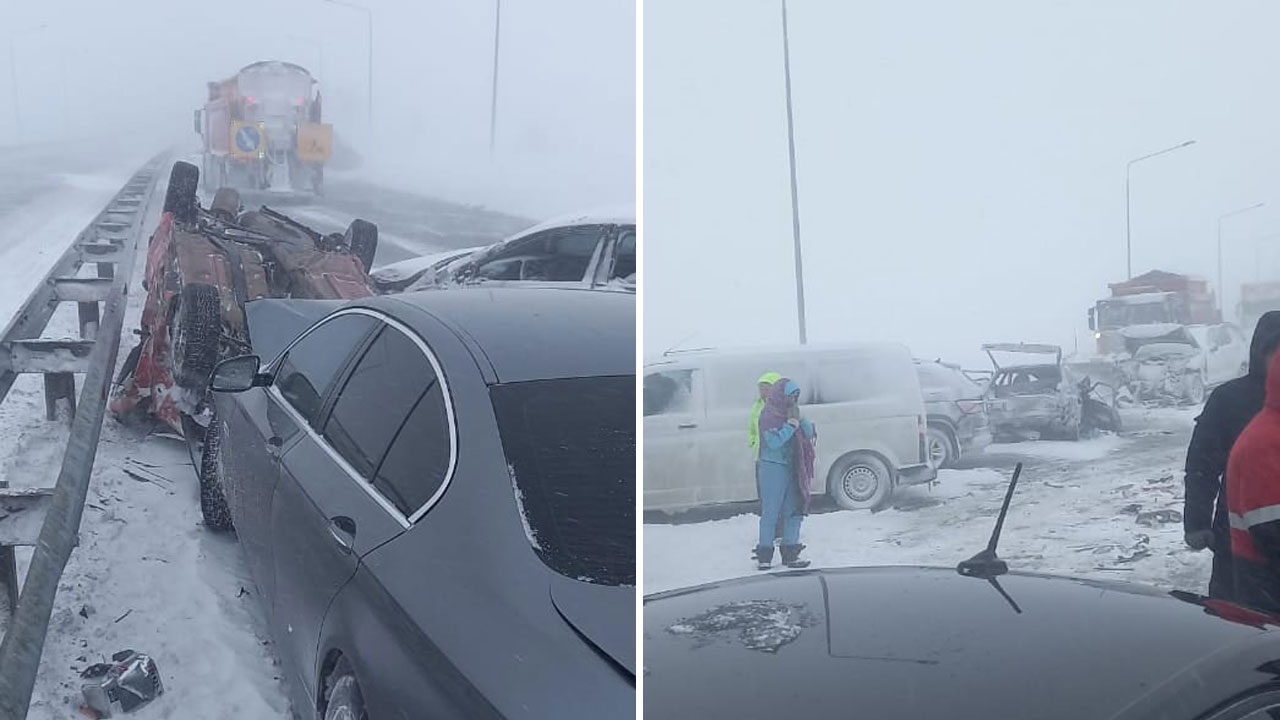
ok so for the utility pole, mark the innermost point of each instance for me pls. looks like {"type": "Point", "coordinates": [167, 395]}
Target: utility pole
{"type": "Point", "coordinates": [795, 195]}
{"type": "Point", "coordinates": [493, 103]}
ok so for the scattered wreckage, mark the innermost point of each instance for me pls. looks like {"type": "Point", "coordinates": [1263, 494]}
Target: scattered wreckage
{"type": "Point", "coordinates": [1034, 394]}
{"type": "Point", "coordinates": [203, 265]}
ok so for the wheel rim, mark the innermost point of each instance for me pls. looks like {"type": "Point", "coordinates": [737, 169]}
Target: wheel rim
{"type": "Point", "coordinates": [860, 483]}
{"type": "Point", "coordinates": [937, 451]}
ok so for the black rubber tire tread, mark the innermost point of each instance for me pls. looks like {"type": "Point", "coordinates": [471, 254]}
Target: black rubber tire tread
{"type": "Point", "coordinates": [342, 690]}
{"type": "Point", "coordinates": [213, 503]}
{"type": "Point", "coordinates": [226, 202]}
{"type": "Point", "coordinates": [362, 239]}
{"type": "Point", "coordinates": [180, 196]}
{"type": "Point", "coordinates": [884, 491]}
{"type": "Point", "coordinates": [199, 319]}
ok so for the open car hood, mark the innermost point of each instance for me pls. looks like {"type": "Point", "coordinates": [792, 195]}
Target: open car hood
{"type": "Point", "coordinates": [274, 323]}
{"type": "Point", "coordinates": [603, 615]}
{"type": "Point", "coordinates": [1029, 349]}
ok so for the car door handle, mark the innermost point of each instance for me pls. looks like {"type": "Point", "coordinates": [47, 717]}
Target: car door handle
{"type": "Point", "coordinates": [687, 426]}
{"type": "Point", "coordinates": [343, 531]}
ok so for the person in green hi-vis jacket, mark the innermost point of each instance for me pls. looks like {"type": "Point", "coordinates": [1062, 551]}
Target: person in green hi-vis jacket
{"type": "Point", "coordinates": [765, 384]}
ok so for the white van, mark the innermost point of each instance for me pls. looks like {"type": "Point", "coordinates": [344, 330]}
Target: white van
{"type": "Point", "coordinates": [865, 401]}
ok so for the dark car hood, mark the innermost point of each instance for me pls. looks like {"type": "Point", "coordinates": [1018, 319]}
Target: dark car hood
{"type": "Point", "coordinates": [603, 615]}
{"type": "Point", "coordinates": [918, 642]}
{"type": "Point", "coordinates": [274, 323]}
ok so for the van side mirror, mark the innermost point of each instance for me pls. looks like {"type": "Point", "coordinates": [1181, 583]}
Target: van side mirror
{"type": "Point", "coordinates": [238, 374]}
{"type": "Point", "coordinates": [1093, 320]}
{"type": "Point", "coordinates": [196, 122]}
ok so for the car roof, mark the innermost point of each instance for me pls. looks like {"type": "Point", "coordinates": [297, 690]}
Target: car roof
{"type": "Point", "coordinates": [527, 333]}
{"type": "Point", "coordinates": [927, 642]}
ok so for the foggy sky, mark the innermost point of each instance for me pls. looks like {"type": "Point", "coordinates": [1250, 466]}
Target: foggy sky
{"type": "Point", "coordinates": [961, 165]}
{"type": "Point", "coordinates": [566, 106]}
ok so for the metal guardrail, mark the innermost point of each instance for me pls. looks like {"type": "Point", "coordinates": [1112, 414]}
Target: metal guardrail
{"type": "Point", "coordinates": [111, 242]}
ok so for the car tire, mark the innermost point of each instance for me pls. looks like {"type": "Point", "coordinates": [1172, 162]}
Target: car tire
{"type": "Point", "coordinates": [180, 197]}
{"type": "Point", "coordinates": [213, 501]}
{"type": "Point", "coordinates": [362, 240]}
{"type": "Point", "coordinates": [860, 481]}
{"type": "Point", "coordinates": [194, 332]}
{"type": "Point", "coordinates": [940, 447]}
{"type": "Point", "coordinates": [1194, 388]}
{"type": "Point", "coordinates": [226, 203]}
{"type": "Point", "coordinates": [343, 699]}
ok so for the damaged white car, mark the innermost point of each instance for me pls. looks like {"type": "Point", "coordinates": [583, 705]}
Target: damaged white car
{"type": "Point", "coordinates": [596, 251]}
{"type": "Point", "coordinates": [1176, 364]}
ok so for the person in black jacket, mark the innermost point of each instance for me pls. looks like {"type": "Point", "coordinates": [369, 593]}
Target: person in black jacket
{"type": "Point", "coordinates": [1228, 410]}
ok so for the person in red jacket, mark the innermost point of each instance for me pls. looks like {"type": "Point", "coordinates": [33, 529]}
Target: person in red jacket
{"type": "Point", "coordinates": [1253, 503]}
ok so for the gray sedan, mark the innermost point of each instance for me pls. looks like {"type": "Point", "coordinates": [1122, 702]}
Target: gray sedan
{"type": "Point", "coordinates": [436, 495]}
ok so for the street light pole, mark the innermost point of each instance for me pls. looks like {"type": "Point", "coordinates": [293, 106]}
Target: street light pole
{"type": "Point", "coordinates": [1222, 290]}
{"type": "Point", "coordinates": [1128, 238]}
{"type": "Point", "coordinates": [369, 63]}
{"type": "Point", "coordinates": [795, 196]}
{"type": "Point", "coordinates": [493, 103]}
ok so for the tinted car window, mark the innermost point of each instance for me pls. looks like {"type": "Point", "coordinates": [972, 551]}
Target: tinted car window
{"type": "Point", "coordinates": [383, 387]}
{"type": "Point", "coordinates": [668, 392]}
{"type": "Point", "coordinates": [571, 448]}
{"type": "Point", "coordinates": [311, 365]}
{"type": "Point", "coordinates": [559, 255]}
{"type": "Point", "coordinates": [418, 461]}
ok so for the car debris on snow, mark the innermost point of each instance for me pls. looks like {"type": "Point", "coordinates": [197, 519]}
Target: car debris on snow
{"type": "Point", "coordinates": [129, 682]}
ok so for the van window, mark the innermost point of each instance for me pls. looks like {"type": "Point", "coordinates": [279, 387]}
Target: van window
{"type": "Point", "coordinates": [732, 384]}
{"type": "Point", "coordinates": [864, 377]}
{"type": "Point", "coordinates": [668, 392]}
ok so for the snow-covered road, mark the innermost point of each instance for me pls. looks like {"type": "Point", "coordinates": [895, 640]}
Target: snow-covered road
{"type": "Point", "coordinates": [1086, 509]}
{"type": "Point", "coordinates": [147, 575]}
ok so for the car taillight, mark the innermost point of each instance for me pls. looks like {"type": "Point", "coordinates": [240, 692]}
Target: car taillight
{"type": "Point", "coordinates": [922, 428]}
{"type": "Point", "coordinates": [969, 407]}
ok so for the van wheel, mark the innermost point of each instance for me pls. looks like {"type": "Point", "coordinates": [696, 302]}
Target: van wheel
{"type": "Point", "coordinates": [940, 450]}
{"type": "Point", "coordinates": [859, 481]}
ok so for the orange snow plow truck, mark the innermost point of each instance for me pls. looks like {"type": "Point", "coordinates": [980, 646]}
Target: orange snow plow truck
{"type": "Point", "coordinates": [262, 131]}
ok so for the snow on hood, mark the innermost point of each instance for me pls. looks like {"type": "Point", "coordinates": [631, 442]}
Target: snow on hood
{"type": "Point", "coordinates": [1164, 350]}
{"type": "Point", "coordinates": [405, 269]}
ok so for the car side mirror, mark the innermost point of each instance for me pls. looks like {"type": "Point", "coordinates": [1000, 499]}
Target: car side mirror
{"type": "Point", "coordinates": [238, 374]}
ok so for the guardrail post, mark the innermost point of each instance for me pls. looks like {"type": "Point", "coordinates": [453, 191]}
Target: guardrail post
{"type": "Point", "coordinates": [8, 579]}
{"type": "Point", "coordinates": [89, 319]}
{"type": "Point", "coordinates": [59, 386]}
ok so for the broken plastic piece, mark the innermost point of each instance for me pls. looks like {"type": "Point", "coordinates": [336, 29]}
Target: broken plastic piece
{"type": "Point", "coordinates": [122, 686]}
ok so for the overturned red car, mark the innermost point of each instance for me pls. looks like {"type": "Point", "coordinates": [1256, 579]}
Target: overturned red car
{"type": "Point", "coordinates": [203, 265]}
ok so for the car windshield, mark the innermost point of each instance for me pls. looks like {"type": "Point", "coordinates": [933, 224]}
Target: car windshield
{"type": "Point", "coordinates": [571, 449]}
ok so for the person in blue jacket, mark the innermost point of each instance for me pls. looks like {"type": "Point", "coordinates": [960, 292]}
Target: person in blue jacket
{"type": "Point", "coordinates": [786, 474]}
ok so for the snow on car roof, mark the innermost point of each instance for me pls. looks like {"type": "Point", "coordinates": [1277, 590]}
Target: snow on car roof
{"type": "Point", "coordinates": [620, 215]}
{"type": "Point", "coordinates": [675, 356]}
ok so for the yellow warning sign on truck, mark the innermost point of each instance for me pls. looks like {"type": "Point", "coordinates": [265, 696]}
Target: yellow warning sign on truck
{"type": "Point", "coordinates": [315, 142]}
